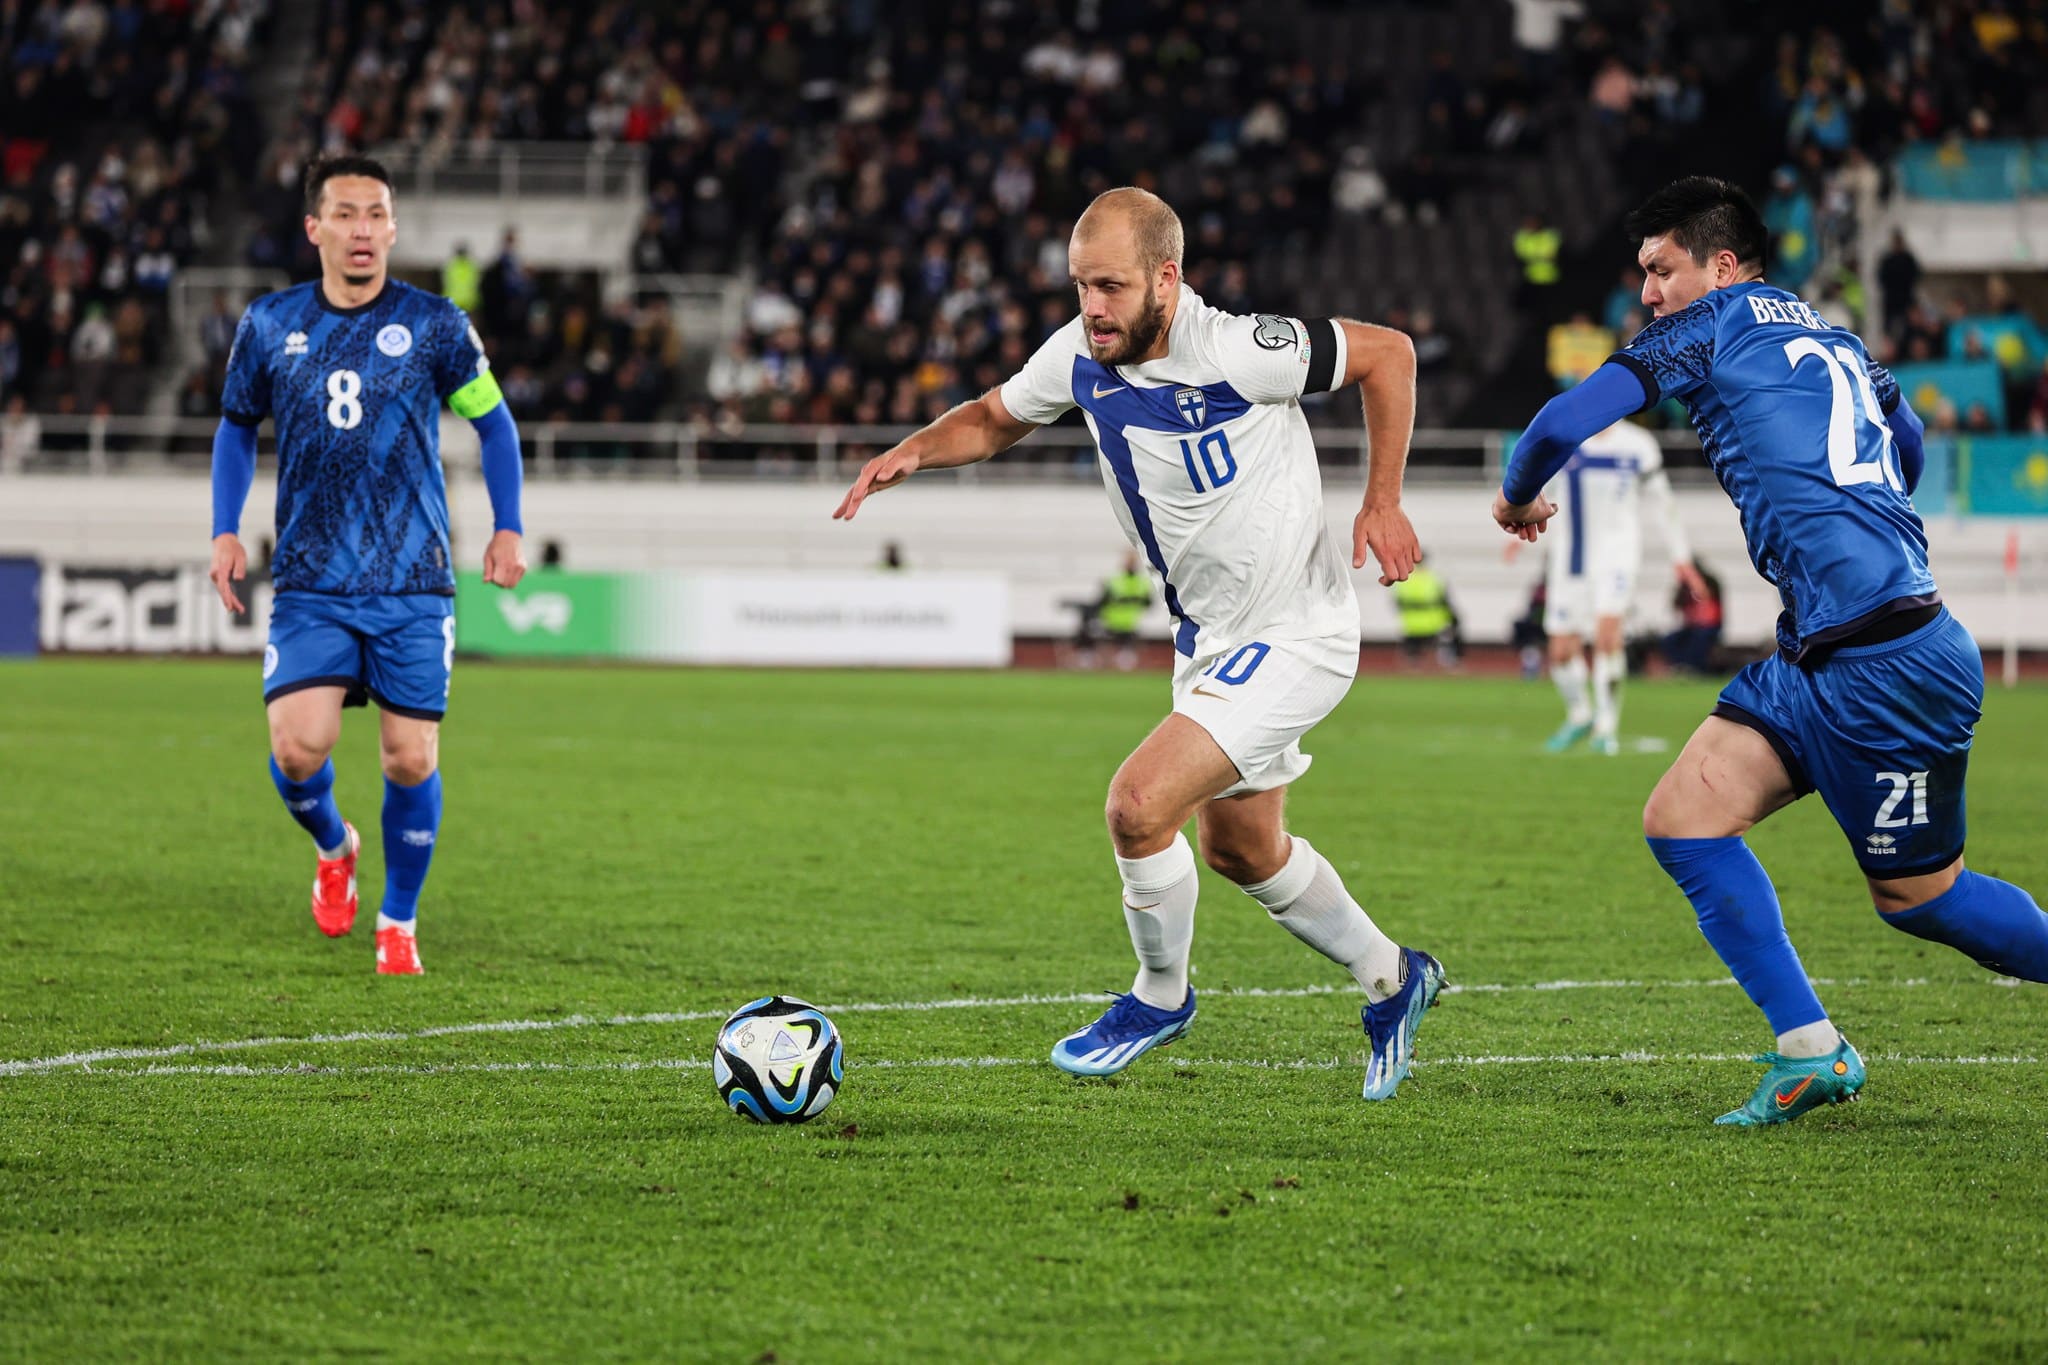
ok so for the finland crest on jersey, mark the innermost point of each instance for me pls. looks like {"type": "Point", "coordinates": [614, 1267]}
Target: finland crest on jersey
{"type": "Point", "coordinates": [1211, 468]}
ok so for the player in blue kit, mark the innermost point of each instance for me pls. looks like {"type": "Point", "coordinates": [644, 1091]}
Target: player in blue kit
{"type": "Point", "coordinates": [353, 369]}
{"type": "Point", "coordinates": [1874, 691]}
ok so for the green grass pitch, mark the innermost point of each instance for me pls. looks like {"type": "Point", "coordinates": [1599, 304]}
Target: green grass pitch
{"type": "Point", "coordinates": [623, 847]}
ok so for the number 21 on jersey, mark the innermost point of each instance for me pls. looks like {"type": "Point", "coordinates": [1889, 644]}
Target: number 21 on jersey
{"type": "Point", "coordinates": [1844, 371]}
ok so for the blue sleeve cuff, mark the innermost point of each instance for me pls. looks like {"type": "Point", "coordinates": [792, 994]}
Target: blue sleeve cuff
{"type": "Point", "coordinates": [1609, 394]}
{"type": "Point", "coordinates": [1910, 433]}
{"type": "Point", "coordinates": [502, 472]}
{"type": "Point", "coordinates": [234, 469]}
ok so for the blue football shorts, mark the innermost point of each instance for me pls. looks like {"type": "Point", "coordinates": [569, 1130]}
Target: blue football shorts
{"type": "Point", "coordinates": [1883, 733]}
{"type": "Point", "coordinates": [396, 650]}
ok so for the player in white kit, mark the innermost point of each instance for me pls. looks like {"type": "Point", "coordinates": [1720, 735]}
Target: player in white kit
{"type": "Point", "coordinates": [1596, 546]}
{"type": "Point", "coordinates": [1211, 470]}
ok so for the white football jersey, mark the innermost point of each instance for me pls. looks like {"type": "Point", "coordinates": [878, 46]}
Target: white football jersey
{"type": "Point", "coordinates": [1598, 493]}
{"type": "Point", "coordinates": [1211, 469]}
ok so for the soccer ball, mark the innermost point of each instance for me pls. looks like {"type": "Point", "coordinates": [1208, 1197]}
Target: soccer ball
{"type": "Point", "coordinates": [778, 1061]}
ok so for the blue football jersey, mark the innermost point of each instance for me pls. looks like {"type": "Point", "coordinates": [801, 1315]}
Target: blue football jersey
{"type": "Point", "coordinates": [356, 393]}
{"type": "Point", "coordinates": [1791, 412]}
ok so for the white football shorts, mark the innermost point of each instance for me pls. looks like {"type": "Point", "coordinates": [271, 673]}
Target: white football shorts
{"type": "Point", "coordinates": [1258, 700]}
{"type": "Point", "coordinates": [1573, 602]}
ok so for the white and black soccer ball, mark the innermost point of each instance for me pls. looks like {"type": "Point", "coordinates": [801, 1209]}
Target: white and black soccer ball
{"type": "Point", "coordinates": [778, 1060]}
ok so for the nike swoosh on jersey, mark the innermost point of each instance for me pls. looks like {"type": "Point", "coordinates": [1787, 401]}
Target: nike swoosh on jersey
{"type": "Point", "coordinates": [1205, 692]}
{"type": "Point", "coordinates": [1101, 392]}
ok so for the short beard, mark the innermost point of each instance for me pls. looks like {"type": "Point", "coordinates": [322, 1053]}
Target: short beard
{"type": "Point", "coordinates": [357, 279]}
{"type": "Point", "coordinates": [1141, 337]}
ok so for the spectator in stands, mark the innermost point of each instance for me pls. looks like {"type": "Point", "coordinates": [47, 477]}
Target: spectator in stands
{"type": "Point", "coordinates": [1789, 215]}
{"type": "Point", "coordinates": [1434, 350]}
{"type": "Point", "coordinates": [1577, 348]}
{"type": "Point", "coordinates": [1691, 647]}
{"type": "Point", "coordinates": [1898, 280]}
{"type": "Point", "coordinates": [1624, 314]}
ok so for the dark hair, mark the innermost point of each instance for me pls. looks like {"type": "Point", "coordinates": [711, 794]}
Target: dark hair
{"type": "Point", "coordinates": [1704, 216]}
{"type": "Point", "coordinates": [323, 169]}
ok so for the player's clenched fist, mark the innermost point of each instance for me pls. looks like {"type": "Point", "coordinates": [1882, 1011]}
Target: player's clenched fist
{"type": "Point", "coordinates": [230, 566]}
{"type": "Point", "coordinates": [884, 471]}
{"type": "Point", "coordinates": [1525, 520]}
{"type": "Point", "coordinates": [505, 559]}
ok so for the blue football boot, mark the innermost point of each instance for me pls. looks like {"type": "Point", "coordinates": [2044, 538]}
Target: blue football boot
{"type": "Point", "coordinates": [1794, 1085]}
{"type": "Point", "coordinates": [1127, 1030]}
{"type": "Point", "coordinates": [1390, 1024]}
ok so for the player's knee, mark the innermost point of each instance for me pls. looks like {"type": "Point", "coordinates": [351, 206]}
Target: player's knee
{"type": "Point", "coordinates": [1245, 866]}
{"type": "Point", "coordinates": [1663, 815]}
{"type": "Point", "coordinates": [1136, 818]}
{"type": "Point", "coordinates": [296, 758]}
{"type": "Point", "coordinates": [409, 764]}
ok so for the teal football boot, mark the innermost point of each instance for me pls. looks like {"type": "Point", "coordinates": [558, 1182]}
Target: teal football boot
{"type": "Point", "coordinates": [1568, 734]}
{"type": "Point", "coordinates": [1794, 1085]}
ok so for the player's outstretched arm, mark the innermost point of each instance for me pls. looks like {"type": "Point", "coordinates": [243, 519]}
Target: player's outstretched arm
{"type": "Point", "coordinates": [974, 431]}
{"type": "Point", "coordinates": [234, 469]}
{"type": "Point", "coordinates": [1609, 394]}
{"type": "Point", "coordinates": [1381, 361]}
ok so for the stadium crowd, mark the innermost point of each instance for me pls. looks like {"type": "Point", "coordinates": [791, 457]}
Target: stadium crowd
{"type": "Point", "coordinates": [121, 123]}
{"type": "Point", "coordinates": [901, 180]}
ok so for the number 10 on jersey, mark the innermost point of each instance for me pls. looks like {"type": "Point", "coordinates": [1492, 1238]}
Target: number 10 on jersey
{"type": "Point", "coordinates": [1210, 453]}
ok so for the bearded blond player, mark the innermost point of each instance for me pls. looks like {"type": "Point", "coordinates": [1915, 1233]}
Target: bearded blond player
{"type": "Point", "coordinates": [1212, 472]}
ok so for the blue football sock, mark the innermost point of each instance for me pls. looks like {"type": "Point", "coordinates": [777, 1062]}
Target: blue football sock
{"type": "Point", "coordinates": [1993, 923]}
{"type": "Point", "coordinates": [1738, 912]}
{"type": "Point", "coordinates": [412, 819]}
{"type": "Point", "coordinates": [312, 804]}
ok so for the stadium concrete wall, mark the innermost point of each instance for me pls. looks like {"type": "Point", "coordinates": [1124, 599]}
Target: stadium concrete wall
{"type": "Point", "coordinates": [1054, 542]}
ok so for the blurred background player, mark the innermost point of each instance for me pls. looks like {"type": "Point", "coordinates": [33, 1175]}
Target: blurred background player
{"type": "Point", "coordinates": [1590, 576]}
{"type": "Point", "coordinates": [353, 368]}
{"type": "Point", "coordinates": [1875, 689]}
{"type": "Point", "coordinates": [1212, 472]}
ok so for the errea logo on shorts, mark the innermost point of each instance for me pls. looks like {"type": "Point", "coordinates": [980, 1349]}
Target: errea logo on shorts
{"type": "Point", "coordinates": [1881, 845]}
{"type": "Point", "coordinates": [395, 340]}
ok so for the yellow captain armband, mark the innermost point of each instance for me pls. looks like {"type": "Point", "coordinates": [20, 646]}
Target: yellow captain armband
{"type": "Point", "coordinates": [477, 397]}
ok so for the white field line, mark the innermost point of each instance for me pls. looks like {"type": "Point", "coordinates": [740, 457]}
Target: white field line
{"type": "Point", "coordinates": [33, 1065]}
{"type": "Point", "coordinates": [981, 1063]}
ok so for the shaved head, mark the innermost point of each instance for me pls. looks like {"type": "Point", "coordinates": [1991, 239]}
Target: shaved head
{"type": "Point", "coordinates": [1152, 226]}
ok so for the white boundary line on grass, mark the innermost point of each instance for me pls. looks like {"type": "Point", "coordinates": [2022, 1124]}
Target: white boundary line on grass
{"type": "Point", "coordinates": [980, 1063]}
{"type": "Point", "coordinates": [37, 1065]}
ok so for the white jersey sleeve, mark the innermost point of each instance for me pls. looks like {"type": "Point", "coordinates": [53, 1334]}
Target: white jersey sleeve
{"type": "Point", "coordinates": [1044, 388]}
{"type": "Point", "coordinates": [1275, 359]}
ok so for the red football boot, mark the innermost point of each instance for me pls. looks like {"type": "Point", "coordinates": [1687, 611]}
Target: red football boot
{"type": "Point", "coordinates": [334, 889]}
{"type": "Point", "coordinates": [398, 953]}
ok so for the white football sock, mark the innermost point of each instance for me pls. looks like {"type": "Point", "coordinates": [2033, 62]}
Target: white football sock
{"type": "Point", "coordinates": [404, 926]}
{"type": "Point", "coordinates": [1570, 678]}
{"type": "Point", "coordinates": [1609, 670]}
{"type": "Point", "coordinates": [1307, 898]}
{"type": "Point", "coordinates": [1809, 1040]}
{"type": "Point", "coordinates": [1159, 908]}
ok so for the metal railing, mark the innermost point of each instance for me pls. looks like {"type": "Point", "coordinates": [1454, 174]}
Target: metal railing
{"type": "Point", "coordinates": [512, 170]}
{"type": "Point", "coordinates": [688, 451]}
